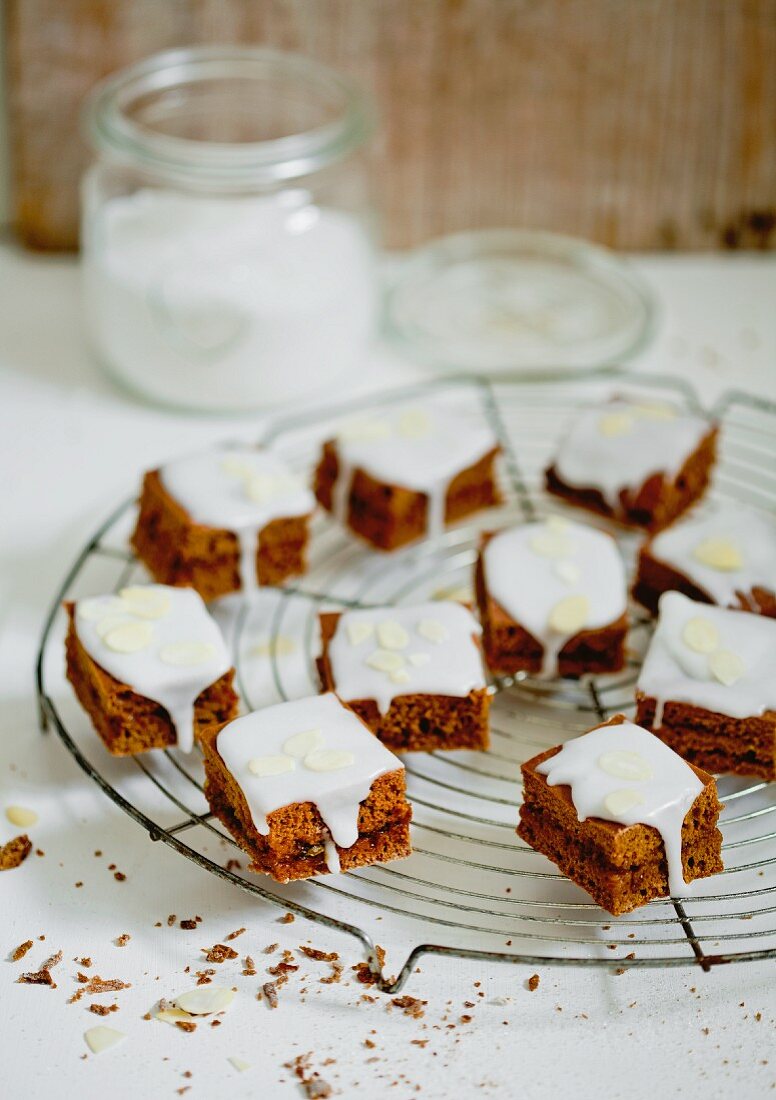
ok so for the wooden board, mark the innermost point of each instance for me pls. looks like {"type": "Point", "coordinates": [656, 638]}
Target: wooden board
{"type": "Point", "coordinates": [638, 123]}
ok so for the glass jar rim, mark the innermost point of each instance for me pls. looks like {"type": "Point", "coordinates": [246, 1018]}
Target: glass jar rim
{"type": "Point", "coordinates": [110, 129]}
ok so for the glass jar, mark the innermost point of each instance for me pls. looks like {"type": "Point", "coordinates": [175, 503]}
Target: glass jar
{"type": "Point", "coordinates": [228, 232]}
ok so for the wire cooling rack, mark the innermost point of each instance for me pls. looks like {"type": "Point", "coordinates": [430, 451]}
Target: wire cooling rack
{"type": "Point", "coordinates": [471, 888]}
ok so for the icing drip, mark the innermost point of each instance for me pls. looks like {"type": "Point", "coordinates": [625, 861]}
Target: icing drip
{"type": "Point", "coordinates": [556, 578]}
{"type": "Point", "coordinates": [182, 653]}
{"type": "Point", "coordinates": [239, 490]}
{"type": "Point", "coordinates": [625, 774]}
{"type": "Point", "coordinates": [336, 774]}
{"type": "Point", "coordinates": [426, 649]}
{"type": "Point", "coordinates": [332, 856]}
{"type": "Point", "coordinates": [724, 549]}
{"type": "Point", "coordinates": [413, 448]}
{"type": "Point", "coordinates": [675, 671]}
{"type": "Point", "coordinates": [621, 444]}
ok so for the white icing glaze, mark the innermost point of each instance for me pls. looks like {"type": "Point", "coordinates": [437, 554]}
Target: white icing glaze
{"type": "Point", "coordinates": [450, 666]}
{"type": "Point", "coordinates": [525, 580]}
{"type": "Point", "coordinates": [239, 490]}
{"type": "Point", "coordinates": [649, 439]}
{"type": "Point", "coordinates": [742, 529]}
{"type": "Point", "coordinates": [337, 792]}
{"type": "Point", "coordinates": [661, 799]}
{"type": "Point", "coordinates": [185, 622]}
{"type": "Point", "coordinates": [674, 672]}
{"type": "Point", "coordinates": [416, 449]}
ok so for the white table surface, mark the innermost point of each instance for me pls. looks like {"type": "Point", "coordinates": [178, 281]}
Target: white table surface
{"type": "Point", "coordinates": [70, 444]}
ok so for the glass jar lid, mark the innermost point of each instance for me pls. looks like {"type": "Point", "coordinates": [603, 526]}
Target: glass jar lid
{"type": "Point", "coordinates": [519, 303]}
{"type": "Point", "coordinates": [221, 114]}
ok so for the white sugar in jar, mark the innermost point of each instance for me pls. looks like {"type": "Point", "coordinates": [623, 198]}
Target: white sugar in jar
{"type": "Point", "coordinates": [227, 228]}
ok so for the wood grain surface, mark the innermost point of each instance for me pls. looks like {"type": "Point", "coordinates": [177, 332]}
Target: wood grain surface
{"type": "Point", "coordinates": [638, 123]}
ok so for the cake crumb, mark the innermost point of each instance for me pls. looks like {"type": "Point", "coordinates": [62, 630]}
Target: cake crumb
{"type": "Point", "coordinates": [14, 853]}
{"type": "Point", "coordinates": [287, 918]}
{"type": "Point", "coordinates": [20, 951]}
{"type": "Point", "coordinates": [533, 983]}
{"type": "Point", "coordinates": [92, 986]}
{"type": "Point", "coordinates": [123, 939]}
{"type": "Point", "coordinates": [317, 955]}
{"type": "Point", "coordinates": [235, 934]}
{"type": "Point", "coordinates": [103, 1010]}
{"type": "Point", "coordinates": [249, 967]}
{"type": "Point", "coordinates": [314, 1086]}
{"type": "Point", "coordinates": [219, 953]}
{"type": "Point", "coordinates": [119, 876]}
{"type": "Point", "coordinates": [337, 969]}
{"type": "Point", "coordinates": [270, 948]}
{"type": "Point", "coordinates": [271, 993]}
{"type": "Point", "coordinates": [186, 1025]}
{"type": "Point", "coordinates": [37, 977]}
{"type": "Point", "coordinates": [410, 1006]}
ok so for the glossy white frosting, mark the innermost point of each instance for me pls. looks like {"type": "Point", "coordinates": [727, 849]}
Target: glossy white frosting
{"type": "Point", "coordinates": [175, 627]}
{"type": "Point", "coordinates": [419, 665]}
{"type": "Point", "coordinates": [675, 671]}
{"type": "Point", "coordinates": [620, 444]}
{"type": "Point", "coordinates": [749, 537]}
{"type": "Point", "coordinates": [627, 775]}
{"type": "Point", "coordinates": [421, 449]}
{"type": "Point", "coordinates": [239, 489]}
{"type": "Point", "coordinates": [246, 743]}
{"type": "Point", "coordinates": [532, 569]}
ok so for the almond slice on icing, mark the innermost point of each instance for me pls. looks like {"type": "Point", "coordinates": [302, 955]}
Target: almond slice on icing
{"type": "Point", "coordinates": [727, 667]}
{"type": "Point", "coordinates": [619, 802]}
{"type": "Point", "coordinates": [551, 544]}
{"type": "Point", "coordinates": [432, 630]}
{"type": "Point", "coordinates": [569, 615]}
{"type": "Point", "coordinates": [719, 553]}
{"type": "Point", "coordinates": [146, 603]}
{"type": "Point", "coordinates": [392, 635]}
{"type": "Point", "coordinates": [615, 424]}
{"type": "Point", "coordinates": [299, 744]}
{"type": "Point", "coordinates": [265, 766]}
{"type": "Point", "coordinates": [359, 630]}
{"type": "Point", "coordinates": [329, 760]}
{"type": "Point", "coordinates": [98, 607]}
{"type": "Point", "coordinates": [568, 571]}
{"type": "Point", "coordinates": [700, 635]}
{"type": "Point", "coordinates": [623, 764]}
{"type": "Point", "coordinates": [129, 637]}
{"type": "Point", "coordinates": [385, 660]}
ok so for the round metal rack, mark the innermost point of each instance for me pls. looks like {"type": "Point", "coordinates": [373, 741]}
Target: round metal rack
{"type": "Point", "coordinates": [470, 888]}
